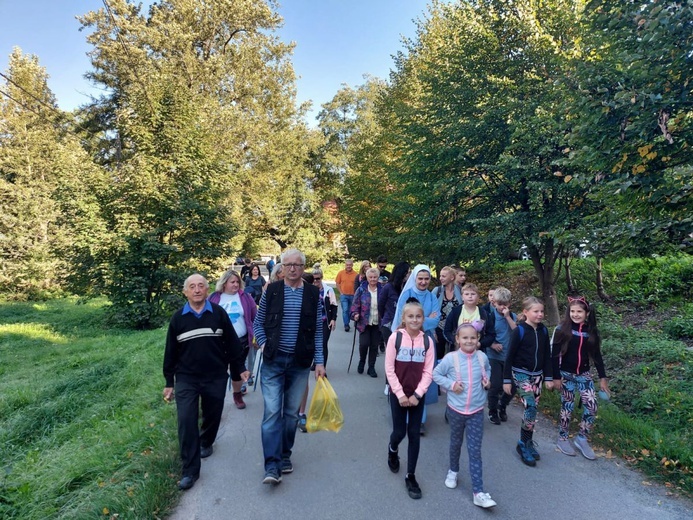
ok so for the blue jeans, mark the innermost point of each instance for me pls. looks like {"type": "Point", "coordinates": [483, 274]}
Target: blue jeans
{"type": "Point", "coordinates": [283, 383]}
{"type": "Point", "coordinates": [345, 300]}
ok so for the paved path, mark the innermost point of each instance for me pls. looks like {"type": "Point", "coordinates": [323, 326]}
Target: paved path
{"type": "Point", "coordinates": [345, 475]}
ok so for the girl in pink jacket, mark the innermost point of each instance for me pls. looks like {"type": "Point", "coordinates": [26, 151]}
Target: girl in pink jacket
{"type": "Point", "coordinates": [409, 359]}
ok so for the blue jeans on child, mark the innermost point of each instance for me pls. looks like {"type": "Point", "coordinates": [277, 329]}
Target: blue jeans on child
{"type": "Point", "coordinates": [283, 383]}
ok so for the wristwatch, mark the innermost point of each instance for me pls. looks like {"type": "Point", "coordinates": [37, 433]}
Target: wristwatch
{"type": "Point", "coordinates": [418, 397]}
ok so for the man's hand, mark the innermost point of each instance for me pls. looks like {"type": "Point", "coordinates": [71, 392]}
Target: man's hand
{"type": "Point", "coordinates": [413, 401]}
{"type": "Point", "coordinates": [168, 394]}
{"type": "Point", "coordinates": [508, 388]}
{"type": "Point", "coordinates": [245, 375]}
{"type": "Point", "coordinates": [319, 371]}
{"type": "Point", "coordinates": [404, 401]}
{"type": "Point", "coordinates": [332, 325]}
{"type": "Point", "coordinates": [497, 347]}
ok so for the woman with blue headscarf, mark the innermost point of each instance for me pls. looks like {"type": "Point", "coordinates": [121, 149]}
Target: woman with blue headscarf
{"type": "Point", "coordinates": [417, 287]}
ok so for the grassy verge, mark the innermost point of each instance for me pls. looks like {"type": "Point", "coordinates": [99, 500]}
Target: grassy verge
{"type": "Point", "coordinates": [649, 421]}
{"type": "Point", "coordinates": [84, 432]}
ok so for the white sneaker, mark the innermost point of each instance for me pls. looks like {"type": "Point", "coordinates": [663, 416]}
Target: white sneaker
{"type": "Point", "coordinates": [451, 479]}
{"type": "Point", "coordinates": [483, 500]}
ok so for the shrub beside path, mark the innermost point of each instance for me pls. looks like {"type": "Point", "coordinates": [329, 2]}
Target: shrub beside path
{"type": "Point", "coordinates": [345, 475]}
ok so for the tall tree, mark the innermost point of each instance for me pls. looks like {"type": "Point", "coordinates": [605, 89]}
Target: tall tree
{"type": "Point", "coordinates": [474, 124]}
{"type": "Point", "coordinates": [201, 125]}
{"type": "Point", "coordinates": [45, 200]}
{"type": "Point", "coordinates": [632, 113]}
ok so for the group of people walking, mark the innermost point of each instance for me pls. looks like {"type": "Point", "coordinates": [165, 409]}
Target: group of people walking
{"type": "Point", "coordinates": [479, 355]}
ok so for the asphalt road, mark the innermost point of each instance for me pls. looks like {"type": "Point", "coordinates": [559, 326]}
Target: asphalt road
{"type": "Point", "coordinates": [345, 475]}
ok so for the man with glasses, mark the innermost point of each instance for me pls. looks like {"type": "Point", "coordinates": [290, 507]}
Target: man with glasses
{"type": "Point", "coordinates": [288, 328]}
{"type": "Point", "coordinates": [345, 284]}
{"type": "Point", "coordinates": [382, 266]}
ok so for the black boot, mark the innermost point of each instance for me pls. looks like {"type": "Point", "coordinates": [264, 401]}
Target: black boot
{"type": "Point", "coordinates": [361, 366]}
{"type": "Point", "coordinates": [392, 460]}
{"type": "Point", "coordinates": [502, 414]}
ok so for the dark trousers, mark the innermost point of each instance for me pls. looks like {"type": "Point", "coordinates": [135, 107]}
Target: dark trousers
{"type": "Point", "coordinates": [246, 349]}
{"type": "Point", "coordinates": [442, 346]}
{"type": "Point", "coordinates": [406, 421]}
{"type": "Point", "coordinates": [325, 338]}
{"type": "Point", "coordinates": [385, 332]}
{"type": "Point", "coordinates": [496, 393]}
{"type": "Point", "coordinates": [189, 395]}
{"type": "Point", "coordinates": [368, 344]}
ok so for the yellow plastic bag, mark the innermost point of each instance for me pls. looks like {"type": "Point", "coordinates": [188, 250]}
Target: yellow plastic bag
{"type": "Point", "coordinates": [324, 412]}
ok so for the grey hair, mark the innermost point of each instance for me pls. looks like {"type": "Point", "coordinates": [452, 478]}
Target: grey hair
{"type": "Point", "coordinates": [292, 252]}
{"type": "Point", "coordinates": [187, 280]}
{"type": "Point", "coordinates": [275, 272]}
{"type": "Point", "coordinates": [225, 278]}
{"type": "Point", "coordinates": [374, 270]}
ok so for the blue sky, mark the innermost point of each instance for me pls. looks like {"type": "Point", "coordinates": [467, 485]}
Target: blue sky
{"type": "Point", "coordinates": [337, 41]}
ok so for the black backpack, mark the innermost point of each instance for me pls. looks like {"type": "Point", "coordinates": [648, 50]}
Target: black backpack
{"type": "Point", "coordinates": [398, 342]}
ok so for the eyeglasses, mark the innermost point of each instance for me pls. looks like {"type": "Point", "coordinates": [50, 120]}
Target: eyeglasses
{"type": "Point", "coordinates": [317, 278]}
{"type": "Point", "coordinates": [294, 266]}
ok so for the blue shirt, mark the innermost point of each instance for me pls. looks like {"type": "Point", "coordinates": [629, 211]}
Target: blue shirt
{"type": "Point", "coordinates": [503, 332]}
{"type": "Point", "coordinates": [207, 308]}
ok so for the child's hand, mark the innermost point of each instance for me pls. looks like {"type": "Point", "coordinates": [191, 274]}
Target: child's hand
{"type": "Point", "coordinates": [507, 388]}
{"type": "Point", "coordinates": [485, 383]}
{"type": "Point", "coordinates": [404, 401]}
{"type": "Point", "coordinates": [549, 385]}
{"type": "Point", "coordinates": [413, 401]}
{"type": "Point", "coordinates": [604, 385]}
{"type": "Point", "coordinates": [434, 314]}
{"type": "Point", "coordinates": [457, 387]}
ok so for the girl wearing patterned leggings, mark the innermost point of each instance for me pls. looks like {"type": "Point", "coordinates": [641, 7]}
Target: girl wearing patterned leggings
{"type": "Point", "coordinates": [527, 365]}
{"type": "Point", "coordinates": [464, 373]}
{"type": "Point", "coordinates": [574, 342]}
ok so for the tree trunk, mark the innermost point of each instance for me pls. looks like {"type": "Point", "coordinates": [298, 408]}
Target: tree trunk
{"type": "Point", "coordinates": [601, 292]}
{"type": "Point", "coordinates": [544, 271]}
{"type": "Point", "coordinates": [570, 285]}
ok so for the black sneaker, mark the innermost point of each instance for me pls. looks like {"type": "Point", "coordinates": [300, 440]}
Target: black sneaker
{"type": "Point", "coordinates": [412, 486]}
{"type": "Point", "coordinates": [392, 460]}
{"type": "Point", "coordinates": [347, 329]}
{"type": "Point", "coordinates": [206, 451]}
{"type": "Point", "coordinates": [422, 431]}
{"type": "Point", "coordinates": [187, 482]}
{"type": "Point", "coordinates": [502, 414]}
{"type": "Point", "coordinates": [287, 467]}
{"type": "Point", "coordinates": [493, 417]}
{"type": "Point", "coordinates": [382, 347]}
{"type": "Point", "coordinates": [372, 372]}
{"type": "Point", "coordinates": [361, 366]}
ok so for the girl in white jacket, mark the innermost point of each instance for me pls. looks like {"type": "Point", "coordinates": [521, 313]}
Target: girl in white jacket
{"type": "Point", "coordinates": [465, 375]}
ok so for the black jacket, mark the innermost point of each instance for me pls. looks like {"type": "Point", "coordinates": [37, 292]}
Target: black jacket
{"type": "Point", "coordinates": [529, 352]}
{"type": "Point", "coordinates": [274, 314]}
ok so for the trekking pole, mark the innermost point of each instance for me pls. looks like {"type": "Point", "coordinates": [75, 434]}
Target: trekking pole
{"type": "Point", "coordinates": [353, 344]}
{"type": "Point", "coordinates": [256, 369]}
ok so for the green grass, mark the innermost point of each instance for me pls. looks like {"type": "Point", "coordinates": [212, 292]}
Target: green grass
{"type": "Point", "coordinates": [84, 431]}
